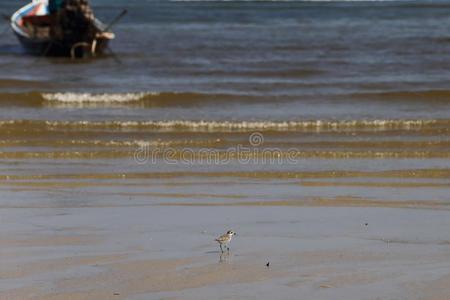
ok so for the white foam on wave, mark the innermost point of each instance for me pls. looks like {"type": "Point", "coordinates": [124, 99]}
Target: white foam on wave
{"type": "Point", "coordinates": [81, 98]}
{"type": "Point", "coordinates": [219, 126]}
{"type": "Point", "coordinates": [255, 125]}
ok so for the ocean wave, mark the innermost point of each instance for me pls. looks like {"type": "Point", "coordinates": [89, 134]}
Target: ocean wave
{"type": "Point", "coordinates": [239, 126]}
{"type": "Point", "coordinates": [149, 99]}
{"type": "Point", "coordinates": [94, 98]}
{"type": "Point", "coordinates": [140, 99]}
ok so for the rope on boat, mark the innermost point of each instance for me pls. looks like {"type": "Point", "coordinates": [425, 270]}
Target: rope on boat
{"type": "Point", "coordinates": [92, 47]}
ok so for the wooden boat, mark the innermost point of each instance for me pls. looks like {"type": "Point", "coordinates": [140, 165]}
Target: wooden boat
{"type": "Point", "coordinates": [32, 24]}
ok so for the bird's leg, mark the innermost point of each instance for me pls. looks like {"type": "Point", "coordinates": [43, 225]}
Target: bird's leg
{"type": "Point", "coordinates": [228, 249]}
{"type": "Point", "coordinates": [221, 247]}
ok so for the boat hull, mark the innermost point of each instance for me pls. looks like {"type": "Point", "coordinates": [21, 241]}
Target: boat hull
{"type": "Point", "coordinates": [45, 46]}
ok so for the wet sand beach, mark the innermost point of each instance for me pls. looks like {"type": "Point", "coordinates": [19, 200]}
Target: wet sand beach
{"type": "Point", "coordinates": [87, 216]}
{"type": "Point", "coordinates": [127, 226]}
{"type": "Point", "coordinates": [160, 252]}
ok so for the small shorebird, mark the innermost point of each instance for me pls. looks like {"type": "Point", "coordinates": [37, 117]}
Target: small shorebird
{"type": "Point", "coordinates": [225, 239]}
